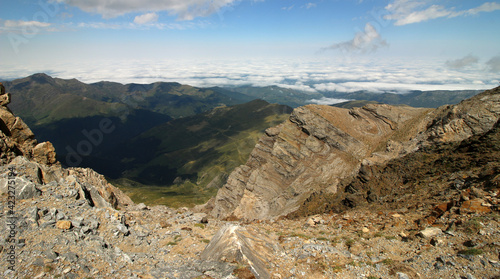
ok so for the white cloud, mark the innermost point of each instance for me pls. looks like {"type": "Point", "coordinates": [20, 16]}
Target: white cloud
{"type": "Point", "coordinates": [183, 9]}
{"type": "Point", "coordinates": [407, 12]}
{"type": "Point", "coordinates": [310, 5]}
{"type": "Point", "coordinates": [367, 41]}
{"type": "Point", "coordinates": [486, 7]}
{"type": "Point", "coordinates": [494, 64]}
{"type": "Point", "coordinates": [463, 62]}
{"type": "Point", "coordinates": [146, 18]}
{"type": "Point", "coordinates": [328, 101]}
{"type": "Point", "coordinates": [22, 23]}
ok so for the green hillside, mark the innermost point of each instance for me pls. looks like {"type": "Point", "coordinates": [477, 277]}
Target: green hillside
{"type": "Point", "coordinates": [41, 99]}
{"type": "Point", "coordinates": [191, 157]}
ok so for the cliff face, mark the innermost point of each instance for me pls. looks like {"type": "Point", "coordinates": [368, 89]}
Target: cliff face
{"type": "Point", "coordinates": [319, 146]}
{"type": "Point", "coordinates": [313, 150]}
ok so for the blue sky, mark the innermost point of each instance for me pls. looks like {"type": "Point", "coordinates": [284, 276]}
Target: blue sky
{"type": "Point", "coordinates": [311, 45]}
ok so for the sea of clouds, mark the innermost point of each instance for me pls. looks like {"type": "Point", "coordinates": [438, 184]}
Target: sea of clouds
{"type": "Point", "coordinates": [308, 75]}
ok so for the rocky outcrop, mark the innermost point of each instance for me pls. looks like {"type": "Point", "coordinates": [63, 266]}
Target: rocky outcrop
{"type": "Point", "coordinates": [17, 139]}
{"type": "Point", "coordinates": [315, 149]}
{"type": "Point", "coordinates": [470, 117]}
{"type": "Point", "coordinates": [319, 146]}
{"type": "Point", "coordinates": [20, 151]}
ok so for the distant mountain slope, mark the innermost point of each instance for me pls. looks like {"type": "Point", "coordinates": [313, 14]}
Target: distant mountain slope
{"type": "Point", "coordinates": [424, 99]}
{"type": "Point", "coordinates": [274, 94]}
{"type": "Point", "coordinates": [42, 99]}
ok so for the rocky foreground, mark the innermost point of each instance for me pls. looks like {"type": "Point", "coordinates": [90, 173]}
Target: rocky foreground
{"type": "Point", "coordinates": [444, 223]}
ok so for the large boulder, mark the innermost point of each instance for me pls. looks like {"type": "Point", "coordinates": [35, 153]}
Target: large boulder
{"type": "Point", "coordinates": [234, 243]}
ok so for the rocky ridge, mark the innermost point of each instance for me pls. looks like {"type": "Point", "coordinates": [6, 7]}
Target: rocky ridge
{"type": "Point", "coordinates": [320, 146]}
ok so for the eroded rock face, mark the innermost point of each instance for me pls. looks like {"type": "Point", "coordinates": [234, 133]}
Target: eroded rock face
{"type": "Point", "coordinates": [470, 117]}
{"type": "Point", "coordinates": [315, 149]}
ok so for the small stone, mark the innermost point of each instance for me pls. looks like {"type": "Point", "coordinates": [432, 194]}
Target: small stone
{"type": "Point", "coordinates": [64, 225]}
{"type": "Point", "coordinates": [402, 275]}
{"type": "Point", "coordinates": [67, 270]}
{"type": "Point", "coordinates": [437, 242]}
{"type": "Point", "coordinates": [60, 216]}
{"type": "Point", "coordinates": [164, 224]}
{"type": "Point", "coordinates": [204, 220]}
{"type": "Point", "coordinates": [430, 232]}
{"type": "Point", "coordinates": [123, 229]}
{"type": "Point", "coordinates": [365, 230]}
{"type": "Point", "coordinates": [141, 206]}
{"type": "Point", "coordinates": [396, 215]}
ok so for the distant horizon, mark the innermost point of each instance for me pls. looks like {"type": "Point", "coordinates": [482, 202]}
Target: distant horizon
{"type": "Point", "coordinates": [391, 91]}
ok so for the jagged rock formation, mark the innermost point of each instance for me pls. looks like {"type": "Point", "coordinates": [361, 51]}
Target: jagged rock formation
{"type": "Point", "coordinates": [320, 146]}
{"type": "Point", "coordinates": [17, 139]}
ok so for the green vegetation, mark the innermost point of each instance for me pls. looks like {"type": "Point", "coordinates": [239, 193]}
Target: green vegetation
{"type": "Point", "coordinates": [201, 226]}
{"type": "Point", "coordinates": [471, 252]}
{"type": "Point", "coordinates": [472, 226]}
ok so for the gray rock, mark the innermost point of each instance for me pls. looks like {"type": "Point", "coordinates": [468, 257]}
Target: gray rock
{"type": "Point", "coordinates": [26, 189]}
{"type": "Point", "coordinates": [71, 257]}
{"type": "Point", "coordinates": [33, 214]}
{"type": "Point", "coordinates": [141, 206]}
{"type": "Point", "coordinates": [402, 275]}
{"type": "Point", "coordinates": [60, 216]}
{"type": "Point", "coordinates": [49, 254]}
{"type": "Point", "coordinates": [122, 229]}
{"type": "Point", "coordinates": [430, 232]}
{"type": "Point", "coordinates": [77, 222]}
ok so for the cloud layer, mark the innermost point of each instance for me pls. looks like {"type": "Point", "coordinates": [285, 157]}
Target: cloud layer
{"type": "Point", "coordinates": [315, 75]}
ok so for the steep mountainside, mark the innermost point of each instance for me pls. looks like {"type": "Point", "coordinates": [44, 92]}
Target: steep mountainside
{"type": "Point", "coordinates": [320, 146]}
{"type": "Point", "coordinates": [192, 156]}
